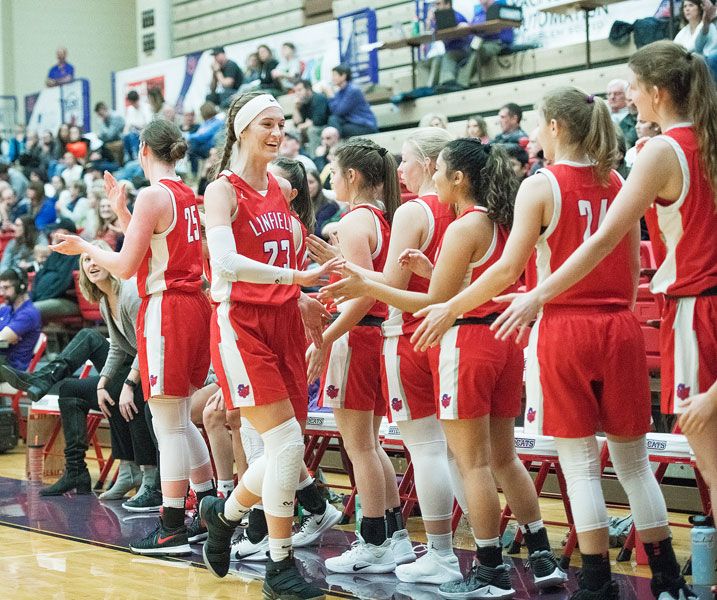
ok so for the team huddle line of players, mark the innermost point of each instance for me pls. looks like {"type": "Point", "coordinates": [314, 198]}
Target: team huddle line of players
{"type": "Point", "coordinates": [429, 328]}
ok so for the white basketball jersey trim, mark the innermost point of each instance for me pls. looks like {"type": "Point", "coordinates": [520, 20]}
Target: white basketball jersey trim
{"type": "Point", "coordinates": [449, 359]}
{"type": "Point", "coordinates": [669, 219]}
{"type": "Point", "coordinates": [159, 260]}
{"type": "Point", "coordinates": [337, 371]}
{"type": "Point", "coordinates": [155, 343]}
{"type": "Point", "coordinates": [687, 353]}
{"type": "Point", "coordinates": [392, 365]}
{"type": "Point", "coordinates": [533, 422]}
{"type": "Point", "coordinates": [542, 259]}
{"type": "Point", "coordinates": [232, 360]}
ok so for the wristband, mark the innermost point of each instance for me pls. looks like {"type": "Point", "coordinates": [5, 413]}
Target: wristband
{"type": "Point", "coordinates": [130, 383]}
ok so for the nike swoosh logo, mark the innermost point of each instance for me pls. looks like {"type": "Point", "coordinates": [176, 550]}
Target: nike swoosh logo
{"type": "Point", "coordinates": [321, 520]}
{"type": "Point", "coordinates": [162, 540]}
{"type": "Point", "coordinates": [361, 567]}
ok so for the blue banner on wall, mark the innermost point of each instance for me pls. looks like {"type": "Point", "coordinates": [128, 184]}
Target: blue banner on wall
{"type": "Point", "coordinates": [356, 31]}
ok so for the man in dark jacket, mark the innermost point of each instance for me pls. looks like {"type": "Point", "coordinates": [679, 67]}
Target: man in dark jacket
{"type": "Point", "coordinates": [54, 279]}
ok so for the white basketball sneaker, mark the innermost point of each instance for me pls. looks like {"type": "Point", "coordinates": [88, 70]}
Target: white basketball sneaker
{"type": "Point", "coordinates": [245, 549]}
{"type": "Point", "coordinates": [363, 558]}
{"type": "Point", "coordinates": [314, 526]}
{"type": "Point", "coordinates": [431, 568]}
{"type": "Point", "coordinates": [402, 548]}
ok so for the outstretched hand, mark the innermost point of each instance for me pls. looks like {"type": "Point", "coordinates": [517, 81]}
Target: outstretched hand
{"type": "Point", "coordinates": [316, 276]}
{"type": "Point", "coordinates": [352, 285]}
{"type": "Point", "coordinates": [320, 250]}
{"type": "Point", "coordinates": [523, 310]}
{"type": "Point", "coordinates": [417, 262]}
{"type": "Point", "coordinates": [116, 193]}
{"type": "Point", "coordinates": [68, 244]}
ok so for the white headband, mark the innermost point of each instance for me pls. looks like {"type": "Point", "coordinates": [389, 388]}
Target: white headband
{"type": "Point", "coordinates": [251, 110]}
{"type": "Point", "coordinates": [245, 115]}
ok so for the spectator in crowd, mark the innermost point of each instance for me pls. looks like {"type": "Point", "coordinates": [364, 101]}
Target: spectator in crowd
{"type": "Point", "coordinates": [59, 187]}
{"type": "Point", "coordinates": [72, 169]}
{"type": "Point", "coordinates": [47, 150]}
{"type": "Point", "coordinates": [489, 45]}
{"type": "Point", "coordinates": [628, 123]}
{"type": "Point", "coordinates": [16, 144]}
{"type": "Point", "coordinates": [189, 122]}
{"type": "Point", "coordinates": [41, 207]}
{"type": "Point", "coordinates": [15, 178]}
{"type": "Point", "coordinates": [535, 152]}
{"type": "Point", "coordinates": [706, 41]}
{"type": "Point", "coordinates": [325, 207]}
{"type": "Point", "coordinates": [620, 165]}
{"type": "Point", "coordinates": [288, 71]}
{"type": "Point", "coordinates": [54, 279]}
{"type": "Point", "coordinates": [350, 112]}
{"type": "Point", "coordinates": [107, 229]}
{"type": "Point", "coordinates": [31, 155]}
{"type": "Point", "coordinates": [330, 137]}
{"type": "Point", "coordinates": [692, 13]}
{"type": "Point", "coordinates": [63, 136]}
{"type": "Point", "coordinates": [291, 148]}
{"type": "Point", "coordinates": [227, 78]}
{"type": "Point", "coordinates": [20, 323]}
{"type": "Point", "coordinates": [434, 120]}
{"type": "Point", "coordinates": [159, 107]}
{"type": "Point", "coordinates": [202, 140]}
{"type": "Point", "coordinates": [509, 117]}
{"type": "Point", "coordinates": [267, 64]}
{"type": "Point", "coordinates": [476, 127]}
{"type": "Point", "coordinates": [8, 200]}
{"type": "Point", "coordinates": [444, 69]}
{"type": "Point", "coordinates": [311, 113]}
{"type": "Point", "coordinates": [77, 145]}
{"type": "Point", "coordinates": [62, 72]}
{"type": "Point", "coordinates": [645, 130]}
{"type": "Point", "coordinates": [252, 72]}
{"type": "Point", "coordinates": [519, 159]}
{"type": "Point", "coordinates": [136, 118]}
{"type": "Point", "coordinates": [617, 99]}
{"type": "Point", "coordinates": [77, 206]}
{"type": "Point", "coordinates": [111, 124]}
{"type": "Point", "coordinates": [18, 253]}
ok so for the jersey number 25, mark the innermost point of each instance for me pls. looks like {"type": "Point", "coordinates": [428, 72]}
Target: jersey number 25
{"type": "Point", "coordinates": [190, 215]}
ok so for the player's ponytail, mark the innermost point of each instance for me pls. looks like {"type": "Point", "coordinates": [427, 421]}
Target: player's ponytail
{"type": "Point", "coordinates": [229, 138]}
{"type": "Point", "coordinates": [165, 140]}
{"type": "Point", "coordinates": [487, 167]}
{"type": "Point", "coordinates": [295, 172]}
{"type": "Point", "coordinates": [587, 126]}
{"type": "Point", "coordinates": [377, 167]}
{"type": "Point", "coordinates": [687, 80]}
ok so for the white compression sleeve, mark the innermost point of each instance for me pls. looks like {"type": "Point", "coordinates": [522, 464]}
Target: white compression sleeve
{"type": "Point", "coordinates": [232, 266]}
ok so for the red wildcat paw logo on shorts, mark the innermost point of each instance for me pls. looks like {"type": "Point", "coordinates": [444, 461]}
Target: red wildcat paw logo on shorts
{"type": "Point", "coordinates": [531, 415]}
{"type": "Point", "coordinates": [445, 400]}
{"type": "Point", "coordinates": [332, 392]}
{"type": "Point", "coordinates": [152, 380]}
{"type": "Point", "coordinates": [396, 404]}
{"type": "Point", "coordinates": [683, 391]}
{"type": "Point", "coordinates": [243, 390]}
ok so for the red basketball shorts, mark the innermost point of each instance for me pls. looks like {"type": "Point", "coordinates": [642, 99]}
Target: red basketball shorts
{"type": "Point", "coordinates": [476, 375]}
{"type": "Point", "coordinates": [173, 343]}
{"type": "Point", "coordinates": [688, 349]}
{"type": "Point", "coordinates": [258, 355]}
{"type": "Point", "coordinates": [407, 380]}
{"type": "Point", "coordinates": [352, 376]}
{"type": "Point", "coordinates": [586, 372]}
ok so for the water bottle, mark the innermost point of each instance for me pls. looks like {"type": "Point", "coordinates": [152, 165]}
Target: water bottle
{"type": "Point", "coordinates": [704, 551]}
{"type": "Point", "coordinates": [358, 514]}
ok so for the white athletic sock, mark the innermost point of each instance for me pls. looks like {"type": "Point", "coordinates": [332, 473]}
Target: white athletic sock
{"type": "Point", "coordinates": [173, 502]}
{"type": "Point", "coordinates": [532, 527]}
{"type": "Point", "coordinates": [487, 543]}
{"type": "Point", "coordinates": [304, 484]}
{"type": "Point", "coordinates": [225, 486]}
{"type": "Point", "coordinates": [235, 510]}
{"type": "Point", "coordinates": [440, 543]}
{"type": "Point", "coordinates": [279, 548]}
{"type": "Point", "coordinates": [204, 486]}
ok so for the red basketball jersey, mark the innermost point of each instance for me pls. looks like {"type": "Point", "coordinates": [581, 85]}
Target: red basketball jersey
{"type": "Point", "coordinates": [579, 206]}
{"type": "Point", "coordinates": [440, 216]}
{"type": "Point", "coordinates": [477, 268]}
{"type": "Point", "coordinates": [684, 232]}
{"type": "Point", "coordinates": [263, 232]}
{"type": "Point", "coordinates": [174, 258]}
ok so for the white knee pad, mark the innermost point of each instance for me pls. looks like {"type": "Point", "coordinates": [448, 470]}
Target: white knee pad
{"type": "Point", "coordinates": [426, 442]}
{"type": "Point", "coordinates": [251, 441]}
{"type": "Point", "coordinates": [457, 483]}
{"type": "Point", "coordinates": [636, 477]}
{"type": "Point", "coordinates": [253, 478]}
{"type": "Point", "coordinates": [284, 451]}
{"type": "Point", "coordinates": [170, 420]}
{"type": "Point", "coordinates": [580, 461]}
{"type": "Point", "coordinates": [198, 452]}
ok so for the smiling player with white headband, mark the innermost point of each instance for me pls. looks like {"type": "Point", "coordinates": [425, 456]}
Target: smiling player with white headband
{"type": "Point", "coordinates": [258, 340]}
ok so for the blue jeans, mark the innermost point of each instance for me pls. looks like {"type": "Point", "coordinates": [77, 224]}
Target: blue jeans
{"type": "Point", "coordinates": [131, 145]}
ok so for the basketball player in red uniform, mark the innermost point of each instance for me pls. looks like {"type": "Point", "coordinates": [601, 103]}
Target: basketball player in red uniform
{"type": "Point", "coordinates": [674, 183]}
{"type": "Point", "coordinates": [476, 379]}
{"type": "Point", "coordinates": [258, 337]}
{"type": "Point", "coordinates": [163, 247]}
{"type": "Point", "coordinates": [348, 361]}
{"type": "Point", "coordinates": [586, 360]}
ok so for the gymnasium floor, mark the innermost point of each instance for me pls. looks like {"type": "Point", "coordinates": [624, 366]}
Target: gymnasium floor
{"type": "Point", "coordinates": [75, 548]}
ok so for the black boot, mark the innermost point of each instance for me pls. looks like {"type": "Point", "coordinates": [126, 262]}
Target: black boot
{"type": "Point", "coordinates": [76, 475]}
{"type": "Point", "coordinates": [37, 384]}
